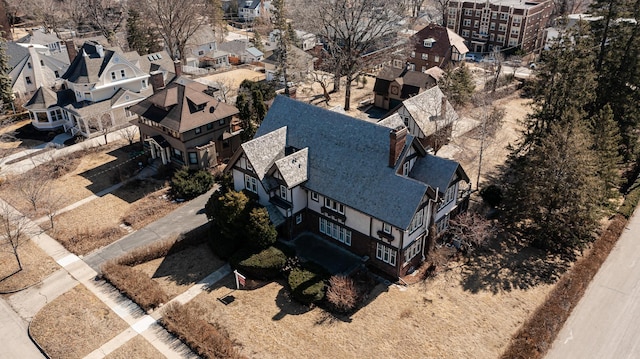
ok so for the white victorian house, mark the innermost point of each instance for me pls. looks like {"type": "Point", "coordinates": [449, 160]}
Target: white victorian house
{"type": "Point", "coordinates": [98, 87]}
{"type": "Point", "coordinates": [371, 189]}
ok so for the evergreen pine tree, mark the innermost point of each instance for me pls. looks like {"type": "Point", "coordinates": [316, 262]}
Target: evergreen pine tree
{"type": "Point", "coordinates": [606, 143]}
{"type": "Point", "coordinates": [458, 85]}
{"type": "Point", "coordinates": [6, 90]}
{"type": "Point", "coordinates": [549, 187]}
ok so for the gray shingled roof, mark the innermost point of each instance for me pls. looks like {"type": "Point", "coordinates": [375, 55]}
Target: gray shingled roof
{"type": "Point", "coordinates": [426, 110]}
{"type": "Point", "coordinates": [263, 152]}
{"type": "Point", "coordinates": [347, 159]}
{"type": "Point", "coordinates": [293, 168]}
{"type": "Point", "coordinates": [437, 171]}
{"type": "Point", "coordinates": [88, 64]}
{"type": "Point", "coordinates": [15, 53]}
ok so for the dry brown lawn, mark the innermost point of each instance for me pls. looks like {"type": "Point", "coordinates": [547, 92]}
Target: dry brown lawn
{"type": "Point", "coordinates": [137, 347]}
{"type": "Point", "coordinates": [75, 324]}
{"type": "Point", "coordinates": [234, 77]}
{"type": "Point", "coordinates": [36, 264]}
{"type": "Point", "coordinates": [433, 319]}
{"type": "Point", "coordinates": [90, 226]}
{"type": "Point", "coordinates": [178, 271]}
{"type": "Point", "coordinates": [312, 92]}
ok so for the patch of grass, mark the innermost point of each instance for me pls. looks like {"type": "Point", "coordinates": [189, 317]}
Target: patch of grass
{"type": "Point", "coordinates": [36, 264]}
{"type": "Point", "coordinates": [75, 324]}
{"type": "Point", "coordinates": [148, 209]}
{"type": "Point", "coordinates": [206, 339]}
{"type": "Point", "coordinates": [137, 347]}
{"type": "Point", "coordinates": [84, 241]}
{"type": "Point", "coordinates": [537, 334]}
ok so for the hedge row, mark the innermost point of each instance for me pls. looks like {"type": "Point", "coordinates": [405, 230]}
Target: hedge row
{"type": "Point", "coordinates": [135, 284]}
{"type": "Point", "coordinates": [306, 286]}
{"type": "Point", "coordinates": [206, 339]}
{"type": "Point", "coordinates": [266, 264]}
{"type": "Point", "coordinates": [537, 334]}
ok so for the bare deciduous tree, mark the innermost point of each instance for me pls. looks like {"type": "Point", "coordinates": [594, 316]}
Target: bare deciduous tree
{"type": "Point", "coordinates": [323, 79]}
{"type": "Point", "coordinates": [355, 31]}
{"type": "Point", "coordinates": [129, 133]}
{"type": "Point", "coordinates": [107, 15]}
{"type": "Point", "coordinates": [14, 231]}
{"type": "Point", "coordinates": [226, 91]}
{"type": "Point", "coordinates": [177, 21]}
{"type": "Point", "coordinates": [490, 122]}
{"type": "Point", "coordinates": [34, 186]}
{"type": "Point", "coordinates": [472, 228]}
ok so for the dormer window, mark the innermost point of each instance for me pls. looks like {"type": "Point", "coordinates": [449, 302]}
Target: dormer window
{"type": "Point", "coordinates": [28, 64]}
{"type": "Point", "coordinates": [333, 205]}
{"type": "Point", "coordinates": [428, 42]}
{"type": "Point", "coordinates": [386, 228]}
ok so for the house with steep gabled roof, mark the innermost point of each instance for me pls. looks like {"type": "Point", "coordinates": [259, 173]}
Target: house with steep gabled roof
{"type": "Point", "coordinates": [394, 85]}
{"type": "Point", "coordinates": [249, 10]}
{"type": "Point", "coordinates": [46, 42]}
{"type": "Point", "coordinates": [370, 189]}
{"type": "Point", "coordinates": [184, 125]}
{"type": "Point", "coordinates": [429, 117]}
{"type": "Point", "coordinates": [98, 87]}
{"type": "Point", "coordinates": [436, 46]}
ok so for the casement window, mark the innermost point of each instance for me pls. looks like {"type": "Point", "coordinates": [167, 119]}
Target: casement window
{"type": "Point", "coordinates": [492, 26]}
{"type": "Point", "coordinates": [452, 11]}
{"type": "Point", "coordinates": [442, 224]}
{"type": "Point", "coordinates": [122, 73]}
{"type": "Point", "coordinates": [283, 192]}
{"type": "Point", "coordinates": [502, 27]}
{"type": "Point", "coordinates": [478, 13]}
{"type": "Point", "coordinates": [413, 54]}
{"type": "Point", "coordinates": [468, 12]}
{"type": "Point", "coordinates": [198, 130]}
{"type": "Point", "coordinates": [448, 196]}
{"type": "Point", "coordinates": [335, 231]}
{"type": "Point", "coordinates": [386, 254]}
{"type": "Point", "coordinates": [314, 196]}
{"type": "Point", "coordinates": [428, 43]}
{"type": "Point", "coordinates": [249, 166]}
{"type": "Point", "coordinates": [193, 158]}
{"type": "Point", "coordinates": [465, 33]}
{"type": "Point", "coordinates": [413, 250]}
{"type": "Point", "coordinates": [406, 167]}
{"type": "Point", "coordinates": [494, 15]}
{"type": "Point", "coordinates": [466, 22]}
{"type": "Point", "coordinates": [436, 58]}
{"type": "Point", "coordinates": [476, 23]}
{"type": "Point", "coordinates": [27, 79]}
{"type": "Point", "coordinates": [504, 16]}
{"type": "Point", "coordinates": [515, 31]}
{"type": "Point", "coordinates": [28, 64]}
{"type": "Point", "coordinates": [517, 20]}
{"type": "Point", "coordinates": [221, 122]}
{"type": "Point", "coordinates": [41, 62]}
{"type": "Point", "coordinates": [417, 221]}
{"type": "Point", "coordinates": [333, 205]}
{"type": "Point", "coordinates": [386, 228]}
{"type": "Point", "coordinates": [113, 75]}
{"type": "Point", "coordinates": [425, 56]}
{"type": "Point", "coordinates": [209, 126]}
{"type": "Point", "coordinates": [298, 218]}
{"type": "Point", "coordinates": [250, 184]}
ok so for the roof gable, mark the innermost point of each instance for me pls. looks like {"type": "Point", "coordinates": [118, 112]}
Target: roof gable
{"type": "Point", "coordinates": [426, 110]}
{"type": "Point", "coordinates": [293, 168]}
{"type": "Point", "coordinates": [262, 152]}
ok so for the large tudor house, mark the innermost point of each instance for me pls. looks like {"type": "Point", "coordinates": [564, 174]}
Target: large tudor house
{"type": "Point", "coordinates": [393, 85]}
{"type": "Point", "coordinates": [184, 125]}
{"type": "Point", "coordinates": [368, 188]}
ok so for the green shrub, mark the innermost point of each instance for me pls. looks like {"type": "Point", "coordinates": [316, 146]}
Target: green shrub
{"type": "Point", "coordinates": [222, 246]}
{"type": "Point", "coordinates": [491, 195]}
{"type": "Point", "coordinates": [190, 184]}
{"type": "Point", "coordinates": [307, 287]}
{"type": "Point", "coordinates": [266, 264]}
{"type": "Point", "coordinates": [631, 200]}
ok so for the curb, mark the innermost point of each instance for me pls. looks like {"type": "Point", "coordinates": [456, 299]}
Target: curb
{"type": "Point", "coordinates": [36, 342]}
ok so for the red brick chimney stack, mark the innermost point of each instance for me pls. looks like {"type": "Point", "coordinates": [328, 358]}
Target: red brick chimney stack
{"type": "Point", "coordinates": [71, 50]}
{"type": "Point", "coordinates": [397, 140]}
{"type": "Point", "coordinates": [178, 67]}
{"type": "Point", "coordinates": [157, 80]}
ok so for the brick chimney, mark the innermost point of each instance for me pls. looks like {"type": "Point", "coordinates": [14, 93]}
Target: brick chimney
{"type": "Point", "coordinates": [178, 67]}
{"type": "Point", "coordinates": [397, 140]}
{"type": "Point", "coordinates": [443, 108]}
{"type": "Point", "coordinates": [157, 80]}
{"type": "Point", "coordinates": [71, 50]}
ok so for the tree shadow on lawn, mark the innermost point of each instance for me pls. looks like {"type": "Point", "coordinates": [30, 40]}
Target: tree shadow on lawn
{"type": "Point", "coordinates": [125, 164]}
{"type": "Point", "coordinates": [288, 305]}
{"type": "Point", "coordinates": [507, 264]}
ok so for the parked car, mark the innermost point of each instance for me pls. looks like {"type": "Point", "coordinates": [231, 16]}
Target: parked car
{"type": "Point", "coordinates": [472, 57]}
{"type": "Point", "coordinates": [488, 60]}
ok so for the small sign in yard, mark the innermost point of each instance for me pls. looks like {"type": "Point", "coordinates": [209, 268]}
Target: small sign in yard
{"type": "Point", "coordinates": [240, 279]}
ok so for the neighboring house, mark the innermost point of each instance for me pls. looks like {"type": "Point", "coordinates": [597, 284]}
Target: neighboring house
{"type": "Point", "coordinates": [394, 85]}
{"type": "Point", "coordinates": [249, 10]}
{"type": "Point", "coordinates": [306, 41]}
{"type": "Point", "coordinates": [98, 87]}
{"type": "Point", "coordinates": [436, 46]}
{"type": "Point", "coordinates": [499, 24]}
{"type": "Point", "coordinates": [33, 67]}
{"type": "Point", "coordinates": [56, 47]}
{"type": "Point", "coordinates": [300, 64]}
{"type": "Point", "coordinates": [370, 189]}
{"type": "Point", "coordinates": [184, 125]}
{"type": "Point", "coordinates": [241, 52]}
{"type": "Point", "coordinates": [429, 116]}
{"type": "Point", "coordinates": [202, 50]}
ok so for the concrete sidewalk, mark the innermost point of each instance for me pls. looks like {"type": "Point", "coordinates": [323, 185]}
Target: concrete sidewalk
{"type": "Point", "coordinates": [13, 331]}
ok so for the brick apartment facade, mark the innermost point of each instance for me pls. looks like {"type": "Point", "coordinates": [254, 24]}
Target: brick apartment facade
{"type": "Point", "coordinates": [489, 25]}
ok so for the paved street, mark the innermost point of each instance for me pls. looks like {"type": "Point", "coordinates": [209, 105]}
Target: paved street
{"type": "Point", "coordinates": [604, 324]}
{"type": "Point", "coordinates": [12, 330]}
